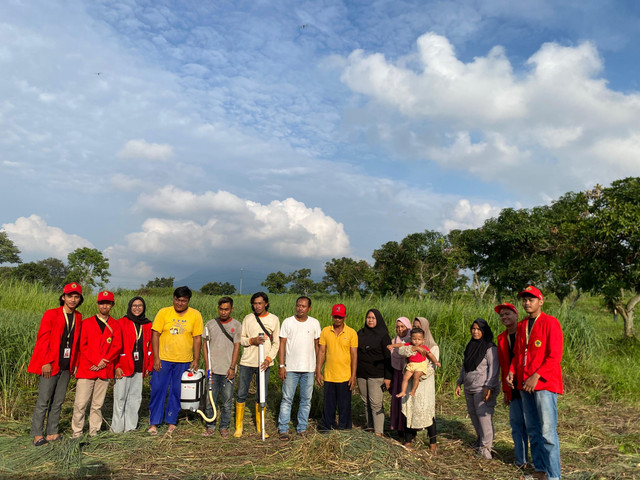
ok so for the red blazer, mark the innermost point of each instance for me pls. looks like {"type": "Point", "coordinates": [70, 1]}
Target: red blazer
{"type": "Point", "coordinates": [96, 345]}
{"type": "Point", "coordinates": [47, 347]}
{"type": "Point", "coordinates": [125, 360]}
{"type": "Point", "coordinates": [503, 358]}
{"type": "Point", "coordinates": [544, 353]}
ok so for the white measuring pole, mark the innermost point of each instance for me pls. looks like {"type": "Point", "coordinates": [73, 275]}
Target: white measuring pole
{"type": "Point", "coordinates": [261, 383]}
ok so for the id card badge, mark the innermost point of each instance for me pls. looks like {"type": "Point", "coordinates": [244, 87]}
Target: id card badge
{"type": "Point", "coordinates": [136, 356]}
{"type": "Point", "coordinates": [66, 353]}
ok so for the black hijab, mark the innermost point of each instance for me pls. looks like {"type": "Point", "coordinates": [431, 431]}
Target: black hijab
{"type": "Point", "coordinates": [380, 329]}
{"type": "Point", "coordinates": [477, 349]}
{"type": "Point", "coordinates": [137, 319]}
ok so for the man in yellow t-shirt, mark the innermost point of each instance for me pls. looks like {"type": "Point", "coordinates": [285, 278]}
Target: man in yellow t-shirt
{"type": "Point", "coordinates": [339, 346]}
{"type": "Point", "coordinates": [176, 336]}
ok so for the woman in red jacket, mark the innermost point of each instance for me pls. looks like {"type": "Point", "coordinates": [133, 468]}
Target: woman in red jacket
{"type": "Point", "coordinates": [134, 363]}
{"type": "Point", "coordinates": [100, 344]}
{"type": "Point", "coordinates": [54, 355]}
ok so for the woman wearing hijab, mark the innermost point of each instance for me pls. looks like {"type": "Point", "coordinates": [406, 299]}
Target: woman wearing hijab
{"type": "Point", "coordinates": [134, 364]}
{"type": "Point", "coordinates": [373, 373]}
{"type": "Point", "coordinates": [420, 410]}
{"type": "Point", "coordinates": [479, 375]}
{"type": "Point", "coordinates": [403, 335]}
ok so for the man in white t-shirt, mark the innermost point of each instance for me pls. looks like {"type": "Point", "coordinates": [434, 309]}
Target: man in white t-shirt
{"type": "Point", "coordinates": [299, 336]}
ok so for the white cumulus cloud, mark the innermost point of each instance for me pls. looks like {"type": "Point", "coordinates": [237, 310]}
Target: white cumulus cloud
{"type": "Point", "coordinates": [465, 215]}
{"type": "Point", "coordinates": [222, 229]}
{"type": "Point", "coordinates": [555, 118]}
{"type": "Point", "coordinates": [34, 237]}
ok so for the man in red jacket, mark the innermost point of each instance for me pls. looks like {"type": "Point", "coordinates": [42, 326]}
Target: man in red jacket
{"type": "Point", "coordinates": [506, 343]}
{"type": "Point", "coordinates": [54, 355]}
{"type": "Point", "coordinates": [100, 344]}
{"type": "Point", "coordinates": [536, 369]}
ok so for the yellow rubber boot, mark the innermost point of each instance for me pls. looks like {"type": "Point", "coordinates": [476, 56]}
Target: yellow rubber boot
{"type": "Point", "coordinates": [239, 418]}
{"type": "Point", "coordinates": [259, 420]}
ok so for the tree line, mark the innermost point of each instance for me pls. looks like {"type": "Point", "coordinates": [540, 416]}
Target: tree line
{"type": "Point", "coordinates": [583, 242]}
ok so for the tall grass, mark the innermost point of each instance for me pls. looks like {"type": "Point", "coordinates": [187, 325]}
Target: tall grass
{"type": "Point", "coordinates": [595, 357]}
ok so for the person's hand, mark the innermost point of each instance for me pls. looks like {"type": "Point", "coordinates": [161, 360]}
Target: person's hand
{"type": "Point", "coordinates": [75, 370]}
{"type": "Point", "coordinates": [319, 378]}
{"type": "Point", "coordinates": [390, 347]}
{"type": "Point", "coordinates": [46, 370]}
{"type": "Point", "coordinates": [282, 373]}
{"type": "Point", "coordinates": [256, 340]}
{"type": "Point", "coordinates": [193, 366]}
{"type": "Point", "coordinates": [530, 383]}
{"type": "Point", "coordinates": [457, 390]}
{"type": "Point", "coordinates": [510, 379]}
{"type": "Point", "coordinates": [486, 393]}
{"type": "Point", "coordinates": [100, 366]}
{"type": "Point", "coordinates": [438, 364]}
{"type": "Point", "coordinates": [352, 383]}
{"type": "Point", "coordinates": [231, 373]}
{"type": "Point", "coordinates": [118, 373]}
{"type": "Point", "coordinates": [157, 364]}
{"type": "Point", "coordinates": [265, 364]}
{"type": "Point", "coordinates": [387, 384]}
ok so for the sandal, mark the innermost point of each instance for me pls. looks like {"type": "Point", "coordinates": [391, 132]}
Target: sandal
{"type": "Point", "coordinates": [153, 431]}
{"type": "Point", "coordinates": [208, 432]}
{"type": "Point", "coordinates": [171, 429]}
{"type": "Point", "coordinates": [39, 443]}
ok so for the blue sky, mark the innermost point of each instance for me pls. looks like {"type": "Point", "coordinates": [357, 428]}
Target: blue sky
{"type": "Point", "coordinates": [186, 136]}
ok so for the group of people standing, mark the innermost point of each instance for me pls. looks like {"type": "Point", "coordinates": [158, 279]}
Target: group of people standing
{"type": "Point", "coordinates": [526, 362]}
{"type": "Point", "coordinates": [100, 348]}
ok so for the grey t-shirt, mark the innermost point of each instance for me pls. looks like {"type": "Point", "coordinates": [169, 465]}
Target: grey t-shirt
{"type": "Point", "coordinates": [220, 347]}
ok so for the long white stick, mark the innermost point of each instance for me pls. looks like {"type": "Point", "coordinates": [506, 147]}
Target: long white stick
{"type": "Point", "coordinates": [261, 384]}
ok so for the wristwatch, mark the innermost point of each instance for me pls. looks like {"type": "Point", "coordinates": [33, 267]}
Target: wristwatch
{"type": "Point", "coordinates": [282, 365]}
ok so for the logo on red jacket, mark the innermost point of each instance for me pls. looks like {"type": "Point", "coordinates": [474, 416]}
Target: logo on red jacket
{"type": "Point", "coordinates": [537, 343]}
{"type": "Point", "coordinates": [109, 340]}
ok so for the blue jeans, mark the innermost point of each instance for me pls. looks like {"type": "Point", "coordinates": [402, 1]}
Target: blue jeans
{"type": "Point", "coordinates": [244, 380]}
{"type": "Point", "coordinates": [305, 379]}
{"type": "Point", "coordinates": [222, 393]}
{"type": "Point", "coordinates": [168, 378]}
{"type": "Point", "coordinates": [518, 431]}
{"type": "Point", "coordinates": [541, 418]}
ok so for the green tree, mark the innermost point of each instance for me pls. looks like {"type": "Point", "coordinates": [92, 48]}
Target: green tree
{"type": "Point", "coordinates": [347, 276]}
{"type": "Point", "coordinates": [88, 267]}
{"type": "Point", "coordinates": [276, 282]}
{"type": "Point", "coordinates": [9, 253]}
{"type": "Point", "coordinates": [434, 261]}
{"type": "Point", "coordinates": [394, 268]}
{"type": "Point", "coordinates": [607, 247]}
{"type": "Point", "coordinates": [160, 282]}
{"type": "Point", "coordinates": [215, 288]}
{"type": "Point", "coordinates": [58, 271]}
{"type": "Point", "coordinates": [31, 272]}
{"type": "Point", "coordinates": [510, 251]}
{"type": "Point", "coordinates": [301, 282]}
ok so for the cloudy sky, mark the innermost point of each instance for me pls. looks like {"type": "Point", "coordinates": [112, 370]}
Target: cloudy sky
{"type": "Point", "coordinates": [180, 136]}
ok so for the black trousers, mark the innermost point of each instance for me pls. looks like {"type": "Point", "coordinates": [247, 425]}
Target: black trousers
{"type": "Point", "coordinates": [410, 433]}
{"type": "Point", "coordinates": [336, 396]}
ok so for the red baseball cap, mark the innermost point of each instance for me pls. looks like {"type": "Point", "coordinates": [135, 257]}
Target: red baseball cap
{"type": "Point", "coordinates": [72, 287]}
{"type": "Point", "coordinates": [505, 305]}
{"type": "Point", "coordinates": [339, 310]}
{"type": "Point", "coordinates": [531, 290]}
{"type": "Point", "coordinates": [106, 297]}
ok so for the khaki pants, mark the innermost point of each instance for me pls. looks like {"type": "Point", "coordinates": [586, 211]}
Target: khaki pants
{"type": "Point", "coordinates": [88, 389]}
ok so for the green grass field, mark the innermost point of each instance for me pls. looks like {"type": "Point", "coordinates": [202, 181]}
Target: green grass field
{"type": "Point", "coordinates": [598, 427]}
